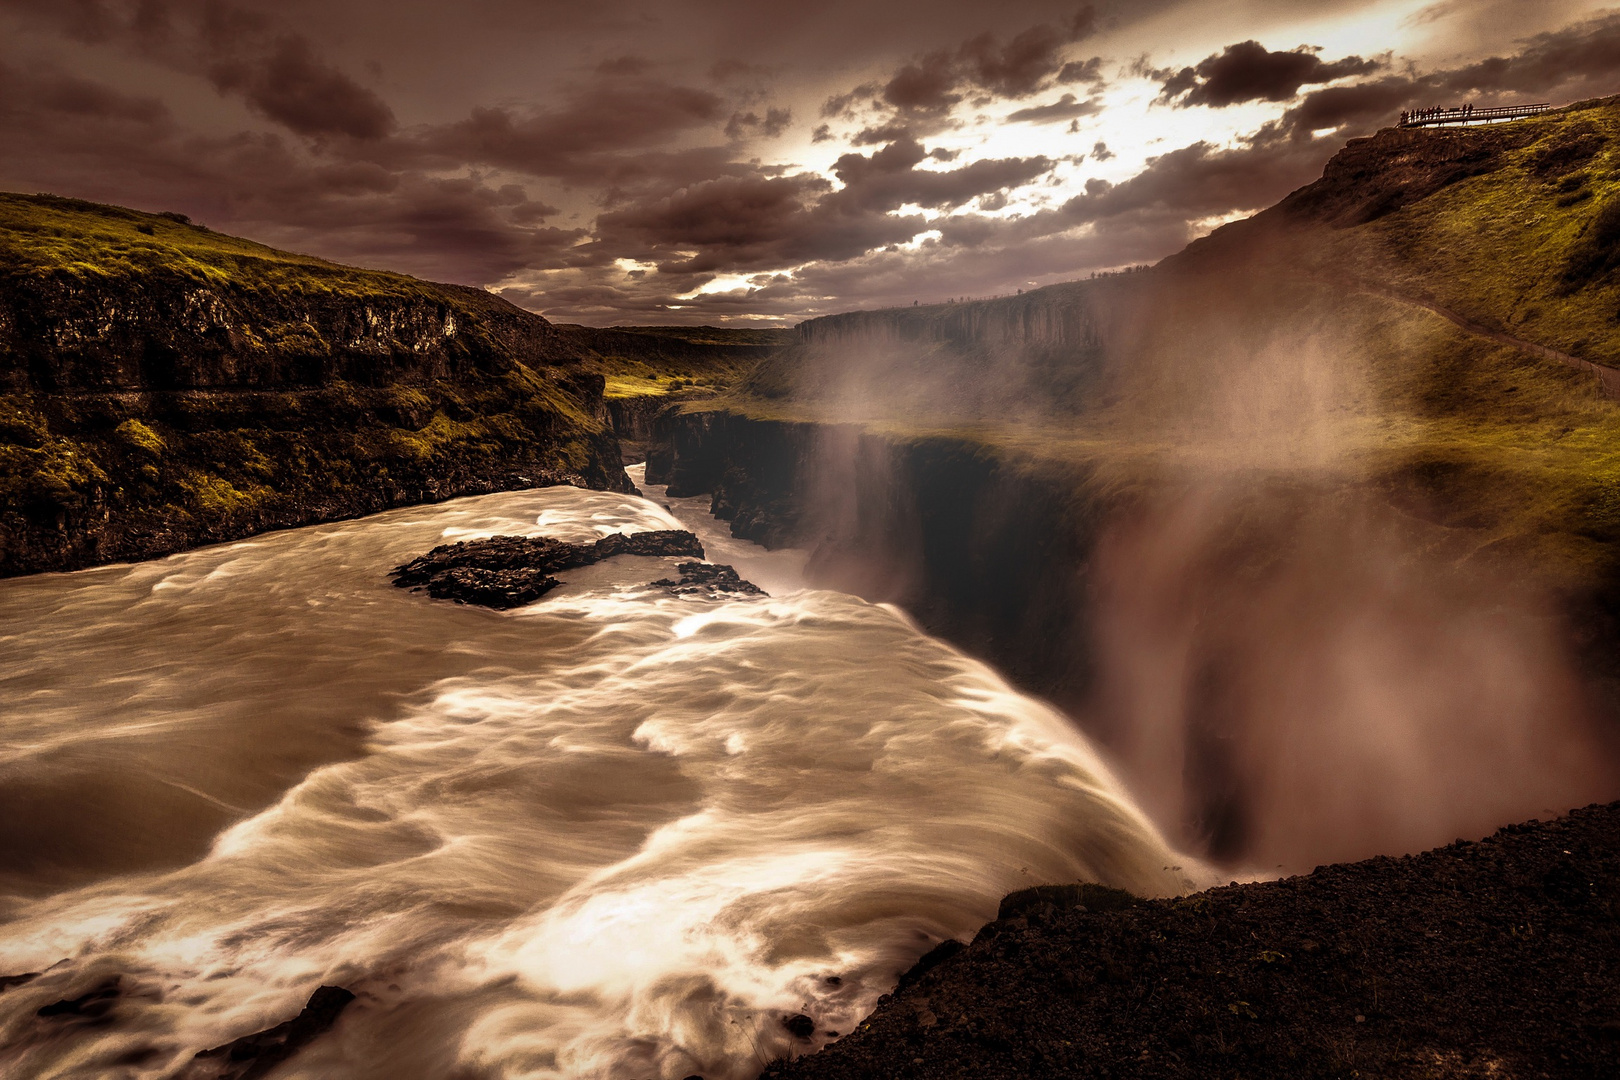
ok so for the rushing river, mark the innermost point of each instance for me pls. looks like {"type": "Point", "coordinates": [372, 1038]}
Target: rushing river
{"type": "Point", "coordinates": [618, 833]}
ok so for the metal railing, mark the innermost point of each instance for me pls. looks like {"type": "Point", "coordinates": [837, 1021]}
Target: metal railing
{"type": "Point", "coordinates": [1467, 114]}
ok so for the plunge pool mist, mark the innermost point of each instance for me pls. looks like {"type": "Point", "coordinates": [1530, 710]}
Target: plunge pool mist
{"type": "Point", "coordinates": [618, 833]}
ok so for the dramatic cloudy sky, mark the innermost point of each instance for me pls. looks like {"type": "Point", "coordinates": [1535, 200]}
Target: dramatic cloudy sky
{"type": "Point", "coordinates": [659, 161]}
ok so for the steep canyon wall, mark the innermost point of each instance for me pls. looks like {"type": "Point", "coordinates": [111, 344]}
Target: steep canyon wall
{"type": "Point", "coordinates": [149, 409]}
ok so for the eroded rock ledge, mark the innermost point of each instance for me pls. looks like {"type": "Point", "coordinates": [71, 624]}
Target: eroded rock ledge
{"type": "Point", "coordinates": [509, 571]}
{"type": "Point", "coordinates": [709, 579]}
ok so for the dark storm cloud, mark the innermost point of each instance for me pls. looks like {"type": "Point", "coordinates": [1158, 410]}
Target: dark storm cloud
{"type": "Point", "coordinates": [1581, 60]}
{"type": "Point", "coordinates": [756, 222]}
{"type": "Point", "coordinates": [1359, 108]}
{"type": "Point", "coordinates": [1586, 53]}
{"type": "Point", "coordinates": [746, 223]}
{"type": "Point", "coordinates": [278, 74]}
{"type": "Point", "coordinates": [889, 178]}
{"type": "Point", "coordinates": [927, 84]}
{"type": "Point", "coordinates": [1024, 65]}
{"type": "Point", "coordinates": [580, 137]}
{"type": "Point", "coordinates": [1088, 71]}
{"type": "Point", "coordinates": [774, 122]}
{"type": "Point", "coordinates": [1201, 181]}
{"type": "Point", "coordinates": [1248, 71]}
{"type": "Point", "coordinates": [842, 106]}
{"type": "Point", "coordinates": [1064, 108]}
{"type": "Point", "coordinates": [887, 133]}
{"type": "Point", "coordinates": [38, 94]}
{"type": "Point", "coordinates": [294, 87]}
{"type": "Point", "coordinates": [544, 144]}
{"type": "Point", "coordinates": [446, 228]}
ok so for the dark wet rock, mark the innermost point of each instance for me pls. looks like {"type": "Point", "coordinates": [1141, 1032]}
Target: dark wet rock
{"type": "Point", "coordinates": [799, 1025]}
{"type": "Point", "coordinates": [1494, 958]}
{"type": "Point", "coordinates": [510, 571]}
{"type": "Point", "coordinates": [709, 579]}
{"type": "Point", "coordinates": [657, 542]}
{"type": "Point", "coordinates": [254, 1056]}
{"type": "Point", "coordinates": [92, 1005]}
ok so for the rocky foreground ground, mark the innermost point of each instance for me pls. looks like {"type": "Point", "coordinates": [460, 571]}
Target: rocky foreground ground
{"type": "Point", "coordinates": [1493, 959]}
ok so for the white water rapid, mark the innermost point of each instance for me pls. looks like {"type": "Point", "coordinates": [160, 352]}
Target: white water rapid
{"type": "Point", "coordinates": [618, 833]}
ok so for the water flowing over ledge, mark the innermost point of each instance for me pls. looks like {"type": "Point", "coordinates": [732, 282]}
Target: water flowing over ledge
{"type": "Point", "coordinates": [617, 833]}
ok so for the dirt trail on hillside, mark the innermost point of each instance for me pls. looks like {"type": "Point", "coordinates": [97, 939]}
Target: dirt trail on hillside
{"type": "Point", "coordinates": [1608, 377]}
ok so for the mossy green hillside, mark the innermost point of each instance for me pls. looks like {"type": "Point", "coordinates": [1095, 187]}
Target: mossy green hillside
{"type": "Point", "coordinates": [1530, 245]}
{"type": "Point", "coordinates": [44, 235]}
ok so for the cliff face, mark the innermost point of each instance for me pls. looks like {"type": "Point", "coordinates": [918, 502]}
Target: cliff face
{"type": "Point", "coordinates": [162, 386]}
{"type": "Point", "coordinates": [61, 334]}
{"type": "Point", "coordinates": [988, 553]}
{"type": "Point", "coordinates": [1038, 352]}
{"type": "Point", "coordinates": [1060, 315]}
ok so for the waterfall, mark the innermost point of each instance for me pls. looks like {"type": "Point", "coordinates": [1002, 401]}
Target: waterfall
{"type": "Point", "coordinates": [618, 833]}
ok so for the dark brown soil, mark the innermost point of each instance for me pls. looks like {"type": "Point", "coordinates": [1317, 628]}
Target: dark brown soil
{"type": "Point", "coordinates": [1492, 959]}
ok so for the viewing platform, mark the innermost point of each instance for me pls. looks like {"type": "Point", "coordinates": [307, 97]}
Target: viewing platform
{"type": "Point", "coordinates": [1467, 114]}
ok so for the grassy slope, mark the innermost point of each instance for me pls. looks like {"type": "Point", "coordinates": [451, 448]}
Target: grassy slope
{"type": "Point", "coordinates": [655, 361]}
{"type": "Point", "coordinates": [44, 234]}
{"type": "Point", "coordinates": [713, 335]}
{"type": "Point", "coordinates": [1529, 452]}
{"type": "Point", "coordinates": [1527, 247]}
